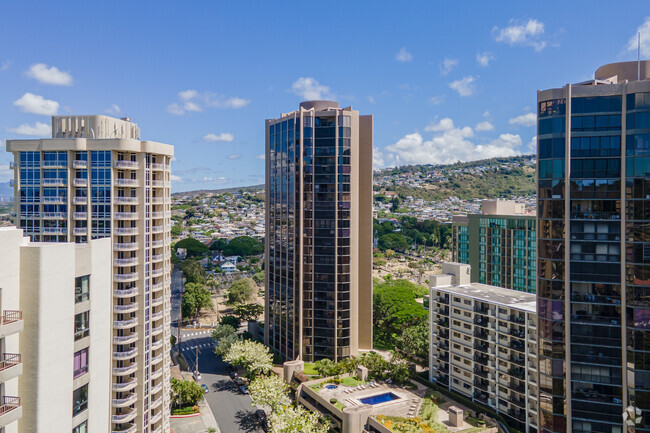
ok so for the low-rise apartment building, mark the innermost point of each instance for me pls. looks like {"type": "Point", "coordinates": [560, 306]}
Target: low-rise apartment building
{"type": "Point", "coordinates": [483, 344]}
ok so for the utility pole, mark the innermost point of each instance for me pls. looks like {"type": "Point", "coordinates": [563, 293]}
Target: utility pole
{"type": "Point", "coordinates": [196, 363]}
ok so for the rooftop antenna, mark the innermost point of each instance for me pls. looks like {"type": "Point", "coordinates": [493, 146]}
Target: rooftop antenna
{"type": "Point", "coordinates": [638, 63]}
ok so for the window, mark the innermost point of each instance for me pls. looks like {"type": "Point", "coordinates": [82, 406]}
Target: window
{"type": "Point", "coordinates": [81, 428]}
{"type": "Point", "coordinates": [81, 324]}
{"type": "Point", "coordinates": [81, 293]}
{"type": "Point", "coordinates": [80, 363]}
{"type": "Point", "coordinates": [79, 400]}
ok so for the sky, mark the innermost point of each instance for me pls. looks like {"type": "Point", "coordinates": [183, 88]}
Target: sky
{"type": "Point", "coordinates": [445, 81]}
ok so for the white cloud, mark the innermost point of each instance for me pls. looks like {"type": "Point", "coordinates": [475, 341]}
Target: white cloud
{"type": "Point", "coordinates": [484, 126]}
{"type": "Point", "coordinates": [212, 179]}
{"type": "Point", "coordinates": [532, 145]}
{"type": "Point", "coordinates": [39, 129]}
{"type": "Point", "coordinates": [224, 136]}
{"type": "Point", "coordinates": [49, 75]}
{"type": "Point", "coordinates": [448, 65]}
{"type": "Point", "coordinates": [234, 156]}
{"type": "Point", "coordinates": [527, 34]}
{"type": "Point", "coordinates": [632, 44]}
{"type": "Point", "coordinates": [260, 156]}
{"type": "Point", "coordinates": [528, 119]}
{"type": "Point", "coordinates": [403, 56]}
{"type": "Point", "coordinates": [115, 110]}
{"type": "Point", "coordinates": [378, 158]}
{"type": "Point", "coordinates": [175, 178]}
{"type": "Point", "coordinates": [465, 86]}
{"type": "Point", "coordinates": [309, 89]}
{"type": "Point", "coordinates": [194, 101]}
{"type": "Point", "coordinates": [371, 99]}
{"type": "Point", "coordinates": [5, 65]}
{"type": "Point", "coordinates": [435, 100]}
{"type": "Point", "coordinates": [36, 104]}
{"type": "Point", "coordinates": [449, 144]}
{"type": "Point", "coordinates": [484, 58]}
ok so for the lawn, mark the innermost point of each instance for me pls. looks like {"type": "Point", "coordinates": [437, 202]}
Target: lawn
{"type": "Point", "coordinates": [351, 381]}
{"type": "Point", "coordinates": [309, 369]}
{"type": "Point", "coordinates": [339, 406]}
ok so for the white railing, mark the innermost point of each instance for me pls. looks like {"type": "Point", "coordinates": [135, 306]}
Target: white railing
{"type": "Point", "coordinates": [157, 183]}
{"type": "Point", "coordinates": [133, 291]}
{"type": "Point", "coordinates": [125, 385]}
{"type": "Point", "coordinates": [131, 261]}
{"type": "Point", "coordinates": [80, 215]}
{"type": "Point", "coordinates": [157, 229]}
{"type": "Point", "coordinates": [157, 258]}
{"type": "Point", "coordinates": [157, 330]}
{"type": "Point", "coordinates": [80, 231]}
{"type": "Point", "coordinates": [156, 244]}
{"type": "Point", "coordinates": [126, 215]}
{"type": "Point", "coordinates": [156, 287]}
{"type": "Point", "coordinates": [80, 182]}
{"type": "Point", "coordinates": [157, 166]}
{"type": "Point", "coordinates": [132, 165]}
{"type": "Point", "coordinates": [52, 215]}
{"type": "Point", "coordinates": [126, 182]}
{"type": "Point", "coordinates": [124, 339]}
{"type": "Point", "coordinates": [54, 230]}
{"type": "Point", "coordinates": [125, 308]}
{"type": "Point", "coordinates": [53, 200]}
{"type": "Point", "coordinates": [157, 214]}
{"type": "Point", "coordinates": [125, 230]}
{"type": "Point", "coordinates": [157, 200]}
{"type": "Point", "coordinates": [156, 272]}
{"type": "Point", "coordinates": [125, 370]}
{"type": "Point", "coordinates": [80, 200]}
{"type": "Point", "coordinates": [121, 324]}
{"type": "Point", "coordinates": [126, 355]}
{"type": "Point", "coordinates": [126, 200]}
{"type": "Point", "coordinates": [124, 417]}
{"type": "Point", "coordinates": [125, 277]}
{"type": "Point", "coordinates": [53, 182]}
{"type": "Point", "coordinates": [79, 164]}
{"type": "Point", "coordinates": [157, 316]}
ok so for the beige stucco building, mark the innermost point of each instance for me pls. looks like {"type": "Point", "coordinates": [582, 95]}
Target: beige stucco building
{"type": "Point", "coordinates": [93, 179]}
{"type": "Point", "coordinates": [319, 232]}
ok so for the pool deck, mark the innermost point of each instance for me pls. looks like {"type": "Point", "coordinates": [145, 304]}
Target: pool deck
{"type": "Point", "coordinates": [408, 403]}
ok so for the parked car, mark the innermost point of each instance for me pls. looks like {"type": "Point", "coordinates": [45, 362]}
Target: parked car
{"type": "Point", "coordinates": [239, 381]}
{"type": "Point", "coordinates": [244, 389]}
{"type": "Point", "coordinates": [262, 419]}
{"type": "Point", "coordinates": [197, 376]}
{"type": "Point", "coordinates": [205, 388]}
{"type": "Point", "coordinates": [233, 375]}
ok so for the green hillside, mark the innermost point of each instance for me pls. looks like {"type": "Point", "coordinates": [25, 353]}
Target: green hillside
{"type": "Point", "coordinates": [491, 178]}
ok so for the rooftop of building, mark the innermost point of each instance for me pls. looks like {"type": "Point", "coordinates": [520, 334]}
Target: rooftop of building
{"type": "Point", "coordinates": [494, 295]}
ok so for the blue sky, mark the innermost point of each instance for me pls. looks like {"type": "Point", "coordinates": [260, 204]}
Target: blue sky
{"type": "Point", "coordinates": [446, 81]}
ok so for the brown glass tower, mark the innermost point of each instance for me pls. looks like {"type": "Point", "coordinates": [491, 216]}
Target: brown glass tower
{"type": "Point", "coordinates": [319, 232]}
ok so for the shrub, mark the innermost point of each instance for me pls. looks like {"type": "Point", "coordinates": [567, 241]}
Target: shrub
{"type": "Point", "coordinates": [333, 400]}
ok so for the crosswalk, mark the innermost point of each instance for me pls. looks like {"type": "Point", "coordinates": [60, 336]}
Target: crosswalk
{"type": "Point", "coordinates": [200, 346]}
{"type": "Point", "coordinates": [197, 333]}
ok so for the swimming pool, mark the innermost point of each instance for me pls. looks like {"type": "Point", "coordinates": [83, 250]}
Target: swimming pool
{"type": "Point", "coordinates": [331, 386]}
{"type": "Point", "coordinates": [379, 398]}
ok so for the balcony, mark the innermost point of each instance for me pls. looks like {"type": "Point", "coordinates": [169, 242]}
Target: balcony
{"type": "Point", "coordinates": [54, 230]}
{"type": "Point", "coordinates": [128, 308]}
{"type": "Point", "coordinates": [157, 316]}
{"type": "Point", "coordinates": [156, 272]}
{"type": "Point", "coordinates": [11, 366]}
{"type": "Point", "coordinates": [126, 401]}
{"type": "Point", "coordinates": [129, 165]}
{"type": "Point", "coordinates": [157, 229]}
{"type": "Point", "coordinates": [155, 360]}
{"type": "Point", "coordinates": [125, 339]}
{"type": "Point", "coordinates": [10, 410]}
{"type": "Point", "coordinates": [128, 231]}
{"type": "Point", "coordinates": [156, 388]}
{"type": "Point", "coordinates": [122, 417]}
{"type": "Point", "coordinates": [157, 200]}
{"type": "Point", "coordinates": [126, 200]}
{"type": "Point", "coordinates": [80, 231]}
{"type": "Point", "coordinates": [157, 417]}
{"type": "Point", "coordinates": [128, 354]}
{"type": "Point", "coordinates": [156, 287]}
{"type": "Point", "coordinates": [125, 246]}
{"type": "Point", "coordinates": [80, 182]}
{"type": "Point", "coordinates": [125, 386]}
{"type": "Point", "coordinates": [156, 374]}
{"type": "Point", "coordinates": [53, 182]}
{"type": "Point", "coordinates": [53, 200]}
{"type": "Point", "coordinates": [133, 276]}
{"type": "Point", "coordinates": [11, 322]}
{"type": "Point", "coordinates": [157, 258]}
{"type": "Point", "coordinates": [156, 244]}
{"type": "Point", "coordinates": [13, 165]}
{"type": "Point", "coordinates": [126, 215]}
{"type": "Point", "coordinates": [79, 164]}
{"type": "Point", "coordinates": [126, 182]}
{"type": "Point", "coordinates": [131, 261]}
{"type": "Point", "coordinates": [128, 428]}
{"type": "Point", "coordinates": [123, 371]}
{"type": "Point", "coordinates": [80, 200]}
{"type": "Point", "coordinates": [156, 344]}
{"type": "Point", "coordinates": [125, 324]}
{"type": "Point", "coordinates": [156, 215]}
{"type": "Point", "coordinates": [55, 163]}
{"type": "Point", "coordinates": [157, 402]}
{"type": "Point", "coordinates": [156, 166]}
{"type": "Point", "coordinates": [80, 215]}
{"type": "Point", "coordinates": [157, 183]}
{"type": "Point", "coordinates": [124, 293]}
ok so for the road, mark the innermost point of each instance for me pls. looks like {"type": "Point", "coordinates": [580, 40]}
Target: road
{"type": "Point", "coordinates": [177, 287]}
{"type": "Point", "coordinates": [231, 408]}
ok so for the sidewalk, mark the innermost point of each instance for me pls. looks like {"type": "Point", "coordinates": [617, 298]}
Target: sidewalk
{"type": "Point", "coordinates": [195, 424]}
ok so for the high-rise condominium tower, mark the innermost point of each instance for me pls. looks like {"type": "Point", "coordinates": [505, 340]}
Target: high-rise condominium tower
{"type": "Point", "coordinates": [594, 251]}
{"type": "Point", "coordinates": [94, 178]}
{"type": "Point", "coordinates": [319, 232]}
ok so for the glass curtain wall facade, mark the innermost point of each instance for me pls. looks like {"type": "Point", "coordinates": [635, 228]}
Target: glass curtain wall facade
{"type": "Point", "coordinates": [312, 279]}
{"type": "Point", "coordinates": [593, 262]}
{"type": "Point", "coordinates": [501, 249]}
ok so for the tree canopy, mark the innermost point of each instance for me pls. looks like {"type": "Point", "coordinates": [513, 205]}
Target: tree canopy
{"type": "Point", "coordinates": [247, 312]}
{"type": "Point", "coordinates": [253, 357]}
{"type": "Point", "coordinates": [193, 271]}
{"type": "Point", "coordinates": [194, 248]}
{"type": "Point", "coordinates": [241, 291]}
{"type": "Point", "coordinates": [195, 298]}
{"type": "Point", "coordinates": [243, 246]}
{"type": "Point", "coordinates": [394, 309]}
{"type": "Point", "coordinates": [185, 392]}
